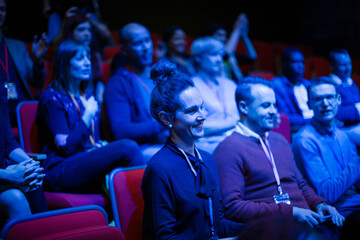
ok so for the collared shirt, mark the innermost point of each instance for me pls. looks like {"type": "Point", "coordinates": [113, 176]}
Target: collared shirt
{"type": "Point", "coordinates": [338, 81]}
{"type": "Point", "coordinates": [328, 159]}
{"type": "Point", "coordinates": [247, 132]}
{"type": "Point", "coordinates": [301, 96]}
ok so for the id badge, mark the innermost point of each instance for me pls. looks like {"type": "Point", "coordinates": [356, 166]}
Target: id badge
{"type": "Point", "coordinates": [11, 90]}
{"type": "Point", "coordinates": [282, 198]}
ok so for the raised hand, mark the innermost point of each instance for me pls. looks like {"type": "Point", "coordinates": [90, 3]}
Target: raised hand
{"type": "Point", "coordinates": [39, 46]}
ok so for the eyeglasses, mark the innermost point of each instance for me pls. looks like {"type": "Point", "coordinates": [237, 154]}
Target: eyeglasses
{"type": "Point", "coordinates": [331, 99]}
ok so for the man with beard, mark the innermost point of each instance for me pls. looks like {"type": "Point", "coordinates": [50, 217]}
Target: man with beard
{"type": "Point", "coordinates": [258, 175]}
{"type": "Point", "coordinates": [341, 69]}
{"type": "Point", "coordinates": [128, 91]}
{"type": "Point", "coordinates": [290, 89]}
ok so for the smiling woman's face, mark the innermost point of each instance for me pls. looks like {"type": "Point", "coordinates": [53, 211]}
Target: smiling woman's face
{"type": "Point", "coordinates": [189, 118]}
{"type": "Point", "coordinates": [80, 65]}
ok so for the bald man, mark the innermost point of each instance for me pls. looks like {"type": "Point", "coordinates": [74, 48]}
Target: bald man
{"type": "Point", "coordinates": [127, 94]}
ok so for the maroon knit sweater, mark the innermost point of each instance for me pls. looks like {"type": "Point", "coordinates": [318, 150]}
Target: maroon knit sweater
{"type": "Point", "coordinates": [247, 182]}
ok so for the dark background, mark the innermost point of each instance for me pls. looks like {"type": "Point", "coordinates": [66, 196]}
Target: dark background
{"type": "Point", "coordinates": [322, 25]}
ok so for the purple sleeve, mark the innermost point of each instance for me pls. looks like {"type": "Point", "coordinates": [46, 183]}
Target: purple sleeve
{"type": "Point", "coordinates": [232, 187]}
{"type": "Point", "coordinates": [56, 119]}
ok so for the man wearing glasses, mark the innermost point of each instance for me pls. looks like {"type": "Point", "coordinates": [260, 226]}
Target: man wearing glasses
{"type": "Point", "coordinates": [325, 154]}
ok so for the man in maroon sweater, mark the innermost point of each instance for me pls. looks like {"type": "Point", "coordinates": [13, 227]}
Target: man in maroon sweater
{"type": "Point", "coordinates": [258, 175]}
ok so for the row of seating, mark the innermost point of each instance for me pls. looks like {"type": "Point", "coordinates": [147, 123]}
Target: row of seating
{"type": "Point", "coordinates": [72, 212]}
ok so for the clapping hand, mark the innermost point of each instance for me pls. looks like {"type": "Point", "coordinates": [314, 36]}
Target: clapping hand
{"type": "Point", "coordinates": [39, 46]}
{"type": "Point", "coordinates": [325, 209]}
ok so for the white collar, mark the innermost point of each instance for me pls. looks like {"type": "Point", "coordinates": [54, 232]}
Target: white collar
{"type": "Point", "coordinates": [247, 132]}
{"type": "Point", "coordinates": [338, 81]}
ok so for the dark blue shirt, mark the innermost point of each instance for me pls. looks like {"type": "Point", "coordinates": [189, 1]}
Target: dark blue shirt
{"type": "Point", "coordinates": [173, 209]}
{"type": "Point", "coordinates": [57, 114]}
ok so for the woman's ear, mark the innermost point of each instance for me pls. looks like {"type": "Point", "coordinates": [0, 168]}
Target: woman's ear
{"type": "Point", "coordinates": [164, 118]}
{"type": "Point", "coordinates": [243, 108]}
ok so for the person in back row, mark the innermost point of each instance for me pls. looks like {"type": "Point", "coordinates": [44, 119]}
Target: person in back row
{"type": "Point", "coordinates": [68, 128]}
{"type": "Point", "coordinates": [324, 153]}
{"type": "Point", "coordinates": [290, 89]}
{"type": "Point", "coordinates": [258, 174]}
{"type": "Point", "coordinates": [217, 91]}
{"type": "Point", "coordinates": [127, 93]}
{"type": "Point", "coordinates": [18, 71]}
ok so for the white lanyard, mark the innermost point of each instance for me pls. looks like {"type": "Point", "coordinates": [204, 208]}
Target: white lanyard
{"type": "Point", "coordinates": [210, 199]}
{"type": "Point", "coordinates": [269, 155]}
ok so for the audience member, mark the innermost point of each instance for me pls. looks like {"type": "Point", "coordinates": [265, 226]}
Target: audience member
{"type": "Point", "coordinates": [63, 9]}
{"type": "Point", "coordinates": [127, 93]}
{"type": "Point", "coordinates": [80, 29]}
{"type": "Point", "coordinates": [278, 227]}
{"type": "Point", "coordinates": [68, 128]}
{"type": "Point", "coordinates": [290, 89]}
{"type": "Point", "coordinates": [231, 58]}
{"type": "Point", "coordinates": [180, 184]}
{"type": "Point", "coordinates": [19, 175]}
{"type": "Point", "coordinates": [17, 69]}
{"type": "Point", "coordinates": [175, 39]}
{"type": "Point", "coordinates": [324, 153]}
{"type": "Point", "coordinates": [258, 175]}
{"type": "Point", "coordinates": [218, 92]}
{"type": "Point", "coordinates": [341, 69]}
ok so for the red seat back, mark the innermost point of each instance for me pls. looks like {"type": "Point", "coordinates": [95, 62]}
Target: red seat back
{"type": "Point", "coordinates": [110, 52]}
{"type": "Point", "coordinates": [87, 222]}
{"type": "Point", "coordinates": [320, 66]}
{"type": "Point", "coordinates": [284, 127]}
{"type": "Point", "coordinates": [28, 136]}
{"type": "Point", "coordinates": [126, 199]}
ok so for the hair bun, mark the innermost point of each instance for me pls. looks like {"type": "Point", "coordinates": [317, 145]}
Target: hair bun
{"type": "Point", "coordinates": [163, 70]}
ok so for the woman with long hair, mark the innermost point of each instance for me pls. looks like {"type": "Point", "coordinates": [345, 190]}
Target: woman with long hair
{"type": "Point", "coordinates": [68, 127]}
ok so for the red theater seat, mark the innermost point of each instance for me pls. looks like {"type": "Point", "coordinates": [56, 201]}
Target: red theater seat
{"type": "Point", "coordinates": [284, 127]}
{"type": "Point", "coordinates": [87, 222]}
{"type": "Point", "coordinates": [319, 66]}
{"type": "Point", "coordinates": [28, 137]}
{"type": "Point", "coordinates": [110, 52]}
{"type": "Point", "coordinates": [266, 56]}
{"type": "Point", "coordinates": [126, 200]}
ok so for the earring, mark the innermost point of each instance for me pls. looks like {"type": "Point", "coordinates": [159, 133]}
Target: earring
{"type": "Point", "coordinates": [170, 125]}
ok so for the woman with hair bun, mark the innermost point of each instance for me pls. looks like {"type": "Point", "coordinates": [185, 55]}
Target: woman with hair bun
{"type": "Point", "coordinates": [181, 183]}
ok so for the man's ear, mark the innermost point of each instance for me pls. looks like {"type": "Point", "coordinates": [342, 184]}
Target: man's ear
{"type": "Point", "coordinates": [339, 98]}
{"type": "Point", "coordinates": [243, 109]}
{"type": "Point", "coordinates": [164, 118]}
{"type": "Point", "coordinates": [197, 59]}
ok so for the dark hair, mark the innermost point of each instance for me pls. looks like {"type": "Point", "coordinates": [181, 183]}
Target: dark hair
{"type": "Point", "coordinates": [287, 53]}
{"type": "Point", "coordinates": [319, 81]}
{"type": "Point", "coordinates": [169, 32]}
{"type": "Point", "coordinates": [211, 29]}
{"type": "Point", "coordinates": [61, 78]}
{"type": "Point", "coordinates": [243, 90]}
{"type": "Point", "coordinates": [72, 23]}
{"type": "Point", "coordinates": [335, 51]}
{"type": "Point", "coordinates": [169, 85]}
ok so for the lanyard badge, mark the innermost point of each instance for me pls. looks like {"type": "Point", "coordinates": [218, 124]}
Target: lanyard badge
{"type": "Point", "coordinates": [11, 90]}
{"type": "Point", "coordinates": [281, 197]}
